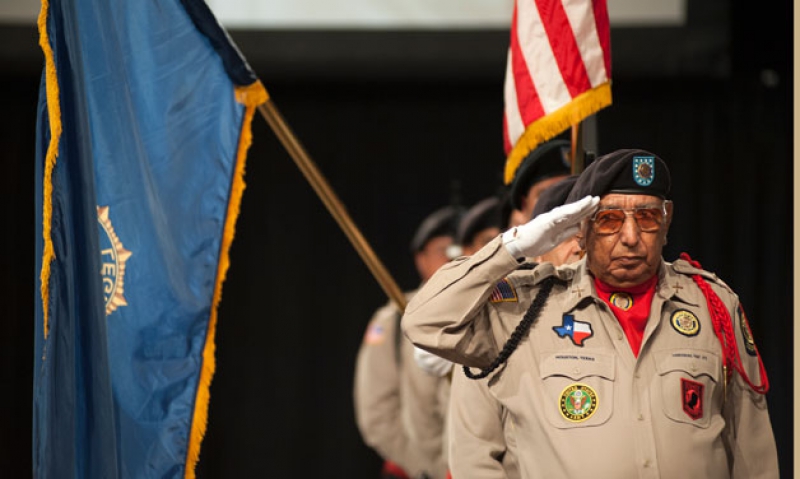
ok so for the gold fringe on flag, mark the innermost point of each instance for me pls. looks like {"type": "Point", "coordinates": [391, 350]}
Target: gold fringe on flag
{"type": "Point", "coordinates": [54, 118]}
{"type": "Point", "coordinates": [548, 126]}
{"type": "Point", "coordinates": [250, 96]}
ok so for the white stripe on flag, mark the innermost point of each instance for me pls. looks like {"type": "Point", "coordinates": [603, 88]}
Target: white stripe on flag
{"type": "Point", "coordinates": [513, 116]}
{"type": "Point", "coordinates": [581, 18]}
{"type": "Point", "coordinates": [538, 55]}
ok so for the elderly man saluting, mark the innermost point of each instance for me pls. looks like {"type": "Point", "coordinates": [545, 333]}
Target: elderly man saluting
{"type": "Point", "coordinates": [618, 366]}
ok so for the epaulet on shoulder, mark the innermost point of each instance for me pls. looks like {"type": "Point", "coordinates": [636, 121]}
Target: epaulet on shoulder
{"type": "Point", "coordinates": [527, 266]}
{"type": "Point", "coordinates": [683, 267]}
{"type": "Point", "coordinates": [547, 270]}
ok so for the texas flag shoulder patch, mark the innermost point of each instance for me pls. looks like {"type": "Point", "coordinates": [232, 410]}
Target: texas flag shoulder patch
{"type": "Point", "coordinates": [578, 331]}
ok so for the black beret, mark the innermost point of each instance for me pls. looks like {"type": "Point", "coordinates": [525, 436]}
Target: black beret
{"type": "Point", "coordinates": [505, 209]}
{"type": "Point", "coordinates": [636, 172]}
{"type": "Point", "coordinates": [484, 214]}
{"type": "Point", "coordinates": [442, 222]}
{"type": "Point", "coordinates": [554, 196]}
{"type": "Point", "coordinates": [546, 161]}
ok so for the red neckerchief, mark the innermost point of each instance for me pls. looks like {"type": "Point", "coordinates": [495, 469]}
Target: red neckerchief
{"type": "Point", "coordinates": [632, 317]}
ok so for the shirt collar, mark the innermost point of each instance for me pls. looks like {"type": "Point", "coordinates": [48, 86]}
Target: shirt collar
{"type": "Point", "coordinates": [671, 285]}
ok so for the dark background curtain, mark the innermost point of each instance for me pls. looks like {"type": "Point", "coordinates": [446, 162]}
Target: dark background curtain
{"type": "Point", "coordinates": [401, 123]}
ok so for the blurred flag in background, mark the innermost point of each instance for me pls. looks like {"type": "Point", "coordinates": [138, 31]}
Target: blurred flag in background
{"type": "Point", "coordinates": [144, 123]}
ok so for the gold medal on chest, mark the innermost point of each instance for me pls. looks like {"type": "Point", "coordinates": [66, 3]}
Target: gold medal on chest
{"type": "Point", "coordinates": [623, 301]}
{"type": "Point", "coordinates": [685, 322]}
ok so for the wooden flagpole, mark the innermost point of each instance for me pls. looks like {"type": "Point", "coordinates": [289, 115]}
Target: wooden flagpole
{"type": "Point", "coordinates": [335, 207]}
{"type": "Point", "coordinates": [577, 153]}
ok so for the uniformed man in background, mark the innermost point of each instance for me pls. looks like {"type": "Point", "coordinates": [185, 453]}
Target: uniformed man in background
{"type": "Point", "coordinates": [479, 225]}
{"type": "Point", "coordinates": [545, 166]}
{"type": "Point", "coordinates": [628, 366]}
{"type": "Point", "coordinates": [480, 439]}
{"type": "Point", "coordinates": [400, 409]}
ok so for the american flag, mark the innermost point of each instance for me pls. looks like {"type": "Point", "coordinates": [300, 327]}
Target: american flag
{"type": "Point", "coordinates": [558, 71]}
{"type": "Point", "coordinates": [503, 292]}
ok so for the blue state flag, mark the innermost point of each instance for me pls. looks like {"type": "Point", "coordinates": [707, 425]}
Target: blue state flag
{"type": "Point", "coordinates": [143, 126]}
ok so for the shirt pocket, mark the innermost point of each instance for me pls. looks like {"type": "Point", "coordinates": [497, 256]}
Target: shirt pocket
{"type": "Point", "coordinates": [578, 388]}
{"type": "Point", "coordinates": [688, 379]}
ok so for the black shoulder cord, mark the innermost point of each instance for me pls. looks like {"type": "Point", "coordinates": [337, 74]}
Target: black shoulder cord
{"type": "Point", "coordinates": [520, 331]}
{"type": "Point", "coordinates": [398, 338]}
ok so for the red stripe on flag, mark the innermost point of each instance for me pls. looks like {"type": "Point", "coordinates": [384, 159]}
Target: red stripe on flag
{"type": "Point", "coordinates": [530, 107]}
{"type": "Point", "coordinates": [565, 48]}
{"type": "Point", "coordinates": [603, 31]}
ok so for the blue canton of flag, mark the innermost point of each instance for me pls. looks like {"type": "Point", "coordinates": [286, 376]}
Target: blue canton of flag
{"type": "Point", "coordinates": [144, 122]}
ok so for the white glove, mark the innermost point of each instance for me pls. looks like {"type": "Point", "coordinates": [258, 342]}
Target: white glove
{"type": "Point", "coordinates": [548, 230]}
{"type": "Point", "coordinates": [431, 363]}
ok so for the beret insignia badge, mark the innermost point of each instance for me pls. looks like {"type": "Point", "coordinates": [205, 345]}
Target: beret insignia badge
{"type": "Point", "coordinates": [644, 170]}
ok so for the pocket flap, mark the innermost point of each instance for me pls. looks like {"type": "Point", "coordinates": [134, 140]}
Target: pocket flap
{"type": "Point", "coordinates": [694, 362]}
{"type": "Point", "coordinates": [577, 365]}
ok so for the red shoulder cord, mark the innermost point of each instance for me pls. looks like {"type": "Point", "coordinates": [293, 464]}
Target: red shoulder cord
{"type": "Point", "coordinates": [723, 326]}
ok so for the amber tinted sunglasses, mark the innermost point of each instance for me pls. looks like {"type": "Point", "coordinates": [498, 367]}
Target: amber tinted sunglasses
{"type": "Point", "coordinates": [610, 221]}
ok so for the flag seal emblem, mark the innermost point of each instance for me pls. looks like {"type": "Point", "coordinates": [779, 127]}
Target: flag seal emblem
{"type": "Point", "coordinates": [578, 331]}
{"type": "Point", "coordinates": [578, 402]}
{"type": "Point", "coordinates": [692, 398]}
{"type": "Point", "coordinates": [685, 322]}
{"type": "Point", "coordinates": [644, 170]}
{"type": "Point", "coordinates": [623, 301]}
{"type": "Point", "coordinates": [113, 257]}
{"type": "Point", "coordinates": [503, 292]}
{"type": "Point", "coordinates": [374, 335]}
{"type": "Point", "coordinates": [749, 344]}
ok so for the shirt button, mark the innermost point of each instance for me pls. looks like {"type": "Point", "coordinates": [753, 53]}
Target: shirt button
{"type": "Point", "coordinates": [640, 417]}
{"type": "Point", "coordinates": [576, 370]}
{"type": "Point", "coordinates": [637, 375]}
{"type": "Point", "coordinates": [646, 463]}
{"type": "Point", "coordinates": [619, 336]}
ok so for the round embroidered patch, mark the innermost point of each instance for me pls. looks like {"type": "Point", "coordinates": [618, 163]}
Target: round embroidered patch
{"type": "Point", "coordinates": [578, 402]}
{"type": "Point", "coordinates": [623, 301]}
{"type": "Point", "coordinates": [685, 322]}
{"type": "Point", "coordinates": [749, 344]}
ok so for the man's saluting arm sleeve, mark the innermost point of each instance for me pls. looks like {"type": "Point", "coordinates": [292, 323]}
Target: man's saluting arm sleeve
{"type": "Point", "coordinates": [451, 315]}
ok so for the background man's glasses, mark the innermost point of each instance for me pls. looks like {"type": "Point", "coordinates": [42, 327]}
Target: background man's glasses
{"type": "Point", "coordinates": [610, 221]}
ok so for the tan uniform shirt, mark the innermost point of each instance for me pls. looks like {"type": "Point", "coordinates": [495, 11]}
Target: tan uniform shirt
{"type": "Point", "coordinates": [594, 408]}
{"type": "Point", "coordinates": [400, 409]}
{"type": "Point", "coordinates": [481, 433]}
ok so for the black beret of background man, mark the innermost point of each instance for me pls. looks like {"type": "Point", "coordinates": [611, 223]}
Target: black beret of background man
{"type": "Point", "coordinates": [625, 365]}
{"type": "Point", "coordinates": [546, 165]}
{"type": "Point", "coordinates": [400, 409]}
{"type": "Point", "coordinates": [569, 250]}
{"type": "Point", "coordinates": [479, 225]}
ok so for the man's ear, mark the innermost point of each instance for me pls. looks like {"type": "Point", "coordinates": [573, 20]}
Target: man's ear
{"type": "Point", "coordinates": [419, 262]}
{"type": "Point", "coordinates": [668, 206]}
{"type": "Point", "coordinates": [582, 234]}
